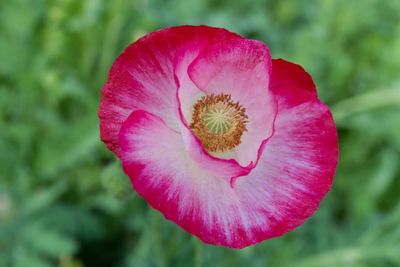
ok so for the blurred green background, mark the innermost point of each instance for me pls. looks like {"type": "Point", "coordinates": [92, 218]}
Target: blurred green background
{"type": "Point", "coordinates": [63, 199]}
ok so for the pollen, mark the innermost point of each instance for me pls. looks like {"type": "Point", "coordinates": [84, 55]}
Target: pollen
{"type": "Point", "coordinates": [218, 122]}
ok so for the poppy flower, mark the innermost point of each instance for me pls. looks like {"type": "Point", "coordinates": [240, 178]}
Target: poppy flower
{"type": "Point", "coordinates": [231, 145]}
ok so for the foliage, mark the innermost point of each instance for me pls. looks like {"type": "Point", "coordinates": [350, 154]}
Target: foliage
{"type": "Point", "coordinates": [63, 199]}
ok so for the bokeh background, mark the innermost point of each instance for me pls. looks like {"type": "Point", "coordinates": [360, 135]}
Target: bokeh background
{"type": "Point", "coordinates": [63, 199]}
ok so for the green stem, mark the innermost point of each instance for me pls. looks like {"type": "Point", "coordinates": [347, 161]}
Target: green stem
{"type": "Point", "coordinates": [156, 240]}
{"type": "Point", "coordinates": [365, 102]}
{"type": "Point", "coordinates": [198, 253]}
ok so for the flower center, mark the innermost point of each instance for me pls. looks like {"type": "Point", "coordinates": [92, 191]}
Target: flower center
{"type": "Point", "coordinates": [218, 122]}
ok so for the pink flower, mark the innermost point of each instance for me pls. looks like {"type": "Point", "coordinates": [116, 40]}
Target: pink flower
{"type": "Point", "coordinates": [231, 145]}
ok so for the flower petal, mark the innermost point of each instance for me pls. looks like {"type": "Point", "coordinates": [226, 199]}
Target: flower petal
{"type": "Point", "coordinates": [298, 162]}
{"type": "Point", "coordinates": [187, 91]}
{"type": "Point", "coordinates": [155, 159]}
{"type": "Point", "coordinates": [142, 77]}
{"type": "Point", "coordinates": [287, 74]}
{"type": "Point", "coordinates": [294, 173]}
{"type": "Point", "coordinates": [242, 69]}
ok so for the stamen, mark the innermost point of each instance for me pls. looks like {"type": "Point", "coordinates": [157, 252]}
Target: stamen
{"type": "Point", "coordinates": [218, 122]}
